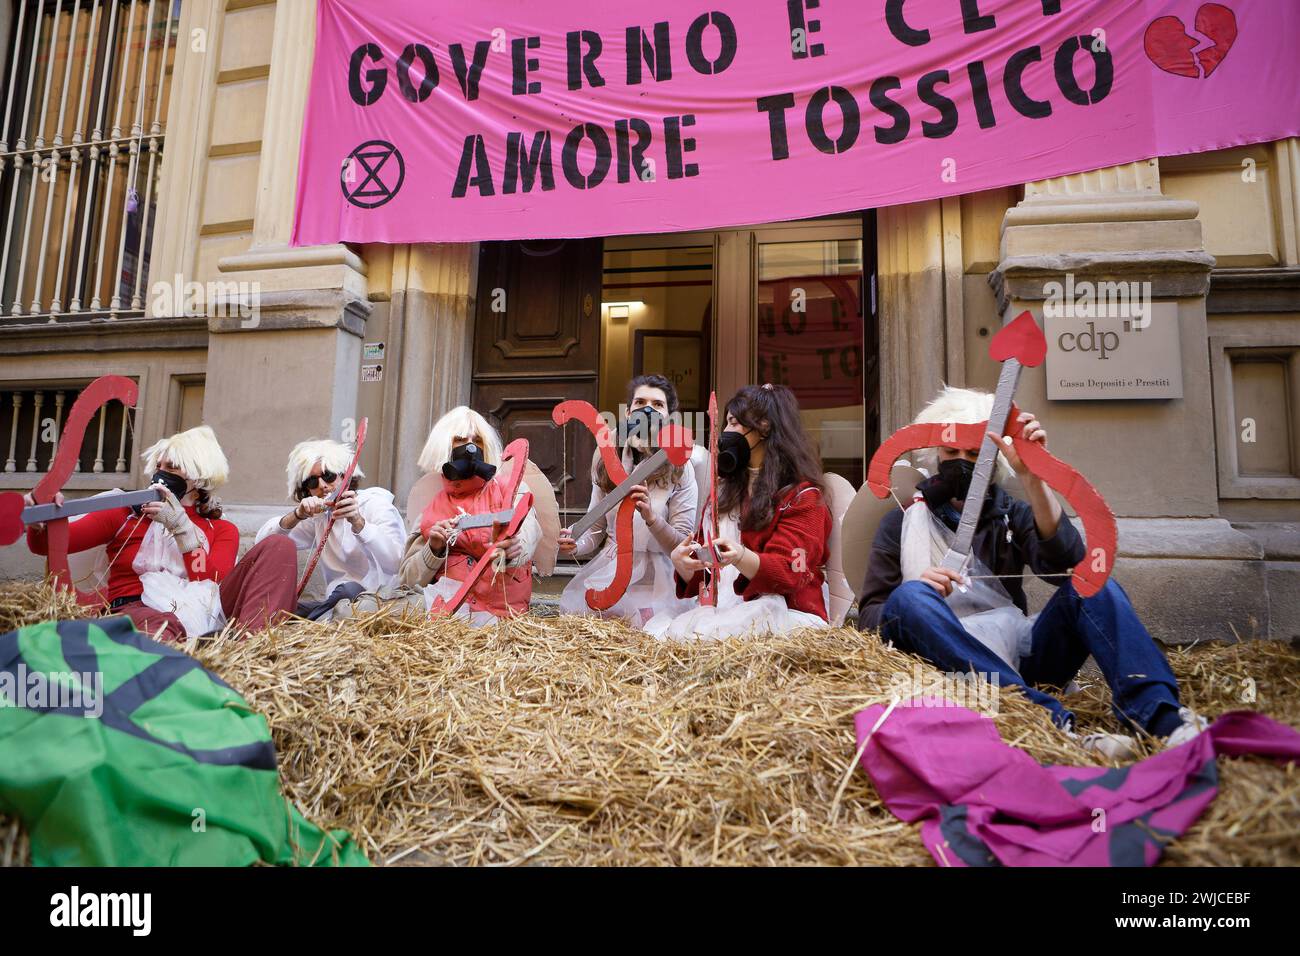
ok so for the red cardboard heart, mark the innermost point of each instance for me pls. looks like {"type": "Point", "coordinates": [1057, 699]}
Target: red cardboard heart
{"type": "Point", "coordinates": [677, 442]}
{"type": "Point", "coordinates": [1020, 339]}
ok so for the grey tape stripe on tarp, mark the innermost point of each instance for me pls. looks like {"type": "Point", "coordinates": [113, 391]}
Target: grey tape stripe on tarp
{"type": "Point", "coordinates": [135, 692]}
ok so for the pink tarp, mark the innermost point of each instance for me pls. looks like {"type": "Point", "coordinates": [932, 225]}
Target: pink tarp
{"type": "Point", "coordinates": [433, 120]}
{"type": "Point", "coordinates": [985, 803]}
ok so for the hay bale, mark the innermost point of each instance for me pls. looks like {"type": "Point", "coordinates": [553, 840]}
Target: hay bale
{"type": "Point", "coordinates": [569, 740]}
{"type": "Point", "coordinates": [23, 603]}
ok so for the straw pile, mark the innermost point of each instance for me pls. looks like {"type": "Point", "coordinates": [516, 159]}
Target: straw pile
{"type": "Point", "coordinates": [572, 741]}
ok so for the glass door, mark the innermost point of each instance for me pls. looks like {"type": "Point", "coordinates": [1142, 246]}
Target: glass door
{"type": "Point", "coordinates": [787, 303]}
{"type": "Point", "coordinates": [809, 334]}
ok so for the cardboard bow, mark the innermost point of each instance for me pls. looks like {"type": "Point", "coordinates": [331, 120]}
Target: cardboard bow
{"type": "Point", "coordinates": [674, 446]}
{"type": "Point", "coordinates": [1020, 342]}
{"type": "Point", "coordinates": [93, 397]}
{"type": "Point", "coordinates": [707, 533]}
{"type": "Point", "coordinates": [341, 487]}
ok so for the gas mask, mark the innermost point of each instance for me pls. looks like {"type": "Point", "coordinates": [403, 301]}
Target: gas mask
{"type": "Point", "coordinates": [952, 482]}
{"type": "Point", "coordinates": [641, 430]}
{"type": "Point", "coordinates": [733, 454]}
{"type": "Point", "coordinates": [467, 462]}
{"type": "Point", "coordinates": [177, 485]}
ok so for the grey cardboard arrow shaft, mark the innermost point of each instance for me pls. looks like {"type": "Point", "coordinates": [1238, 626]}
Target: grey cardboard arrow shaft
{"type": "Point", "coordinates": [82, 506]}
{"type": "Point", "coordinates": [607, 504]}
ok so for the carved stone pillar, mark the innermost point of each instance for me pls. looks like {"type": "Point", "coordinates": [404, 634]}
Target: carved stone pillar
{"type": "Point", "coordinates": [431, 325]}
{"type": "Point", "coordinates": [288, 371]}
{"type": "Point", "coordinates": [913, 332]}
{"type": "Point", "coordinates": [1189, 573]}
{"type": "Point", "coordinates": [1111, 225]}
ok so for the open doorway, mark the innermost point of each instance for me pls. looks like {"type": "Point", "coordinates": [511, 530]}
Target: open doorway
{"type": "Point", "coordinates": [790, 303]}
{"type": "Point", "coordinates": [787, 303]}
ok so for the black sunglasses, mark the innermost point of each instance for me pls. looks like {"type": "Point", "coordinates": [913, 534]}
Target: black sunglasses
{"type": "Point", "coordinates": [311, 481]}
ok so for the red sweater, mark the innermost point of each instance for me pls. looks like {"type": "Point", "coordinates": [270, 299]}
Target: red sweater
{"type": "Point", "coordinates": [122, 532]}
{"type": "Point", "coordinates": [801, 521]}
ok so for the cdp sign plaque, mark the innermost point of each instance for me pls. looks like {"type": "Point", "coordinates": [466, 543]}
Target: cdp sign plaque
{"type": "Point", "coordinates": [1098, 353]}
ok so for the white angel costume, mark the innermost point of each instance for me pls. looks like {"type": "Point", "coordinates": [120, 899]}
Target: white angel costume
{"type": "Point", "coordinates": [982, 603]}
{"type": "Point", "coordinates": [733, 616]}
{"type": "Point", "coordinates": [652, 588]}
{"type": "Point", "coordinates": [167, 587]}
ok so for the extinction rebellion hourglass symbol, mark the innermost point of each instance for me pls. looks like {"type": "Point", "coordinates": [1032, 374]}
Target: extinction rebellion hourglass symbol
{"type": "Point", "coordinates": [372, 174]}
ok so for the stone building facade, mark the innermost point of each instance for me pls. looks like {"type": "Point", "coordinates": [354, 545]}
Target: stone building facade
{"type": "Point", "coordinates": [271, 343]}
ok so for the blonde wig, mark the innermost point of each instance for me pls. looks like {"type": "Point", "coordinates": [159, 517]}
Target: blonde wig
{"type": "Point", "coordinates": [467, 423]}
{"type": "Point", "coordinates": [964, 406]}
{"type": "Point", "coordinates": [332, 455]}
{"type": "Point", "coordinates": [196, 452]}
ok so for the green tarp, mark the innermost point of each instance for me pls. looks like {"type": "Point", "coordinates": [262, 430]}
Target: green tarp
{"type": "Point", "coordinates": [116, 750]}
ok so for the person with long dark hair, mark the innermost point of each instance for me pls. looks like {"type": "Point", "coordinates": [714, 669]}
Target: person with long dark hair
{"type": "Point", "coordinates": [665, 515]}
{"type": "Point", "coordinates": [773, 527]}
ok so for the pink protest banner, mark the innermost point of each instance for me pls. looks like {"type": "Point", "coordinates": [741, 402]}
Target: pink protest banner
{"type": "Point", "coordinates": [432, 120]}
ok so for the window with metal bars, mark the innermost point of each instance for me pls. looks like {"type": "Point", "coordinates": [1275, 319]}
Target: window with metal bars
{"type": "Point", "coordinates": [81, 141]}
{"type": "Point", "coordinates": [31, 423]}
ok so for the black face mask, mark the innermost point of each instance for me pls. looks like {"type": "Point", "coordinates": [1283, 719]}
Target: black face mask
{"type": "Point", "coordinates": [951, 483]}
{"type": "Point", "coordinates": [467, 462]}
{"type": "Point", "coordinates": [733, 454]}
{"type": "Point", "coordinates": [177, 485]}
{"type": "Point", "coordinates": [643, 424]}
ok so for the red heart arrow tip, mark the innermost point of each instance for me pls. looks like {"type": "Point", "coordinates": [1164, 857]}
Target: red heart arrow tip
{"type": "Point", "coordinates": [677, 442]}
{"type": "Point", "coordinates": [1020, 339]}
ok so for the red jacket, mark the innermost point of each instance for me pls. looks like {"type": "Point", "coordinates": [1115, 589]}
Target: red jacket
{"type": "Point", "coordinates": [801, 521]}
{"type": "Point", "coordinates": [122, 532]}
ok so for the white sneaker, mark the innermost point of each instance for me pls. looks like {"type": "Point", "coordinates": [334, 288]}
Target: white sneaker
{"type": "Point", "coordinates": [1192, 725]}
{"type": "Point", "coordinates": [1110, 746]}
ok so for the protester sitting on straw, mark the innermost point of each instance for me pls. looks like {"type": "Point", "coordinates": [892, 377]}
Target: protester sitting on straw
{"type": "Point", "coordinates": [773, 527]}
{"type": "Point", "coordinates": [466, 450]}
{"type": "Point", "coordinates": [978, 623]}
{"type": "Point", "coordinates": [171, 565]}
{"type": "Point", "coordinates": [369, 534]}
{"type": "Point", "coordinates": [665, 515]}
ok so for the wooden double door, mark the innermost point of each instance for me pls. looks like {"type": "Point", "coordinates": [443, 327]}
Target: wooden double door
{"type": "Point", "coordinates": [536, 344]}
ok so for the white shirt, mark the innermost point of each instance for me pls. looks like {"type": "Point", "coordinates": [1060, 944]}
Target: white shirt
{"type": "Point", "coordinates": [369, 558]}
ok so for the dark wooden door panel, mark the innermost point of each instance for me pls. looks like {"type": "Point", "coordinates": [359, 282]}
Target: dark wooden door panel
{"type": "Point", "coordinates": [523, 410]}
{"type": "Point", "coordinates": [543, 348]}
{"type": "Point", "coordinates": [539, 306]}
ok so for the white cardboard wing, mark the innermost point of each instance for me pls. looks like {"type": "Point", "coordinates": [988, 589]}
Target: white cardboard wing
{"type": "Point", "coordinates": [547, 510]}
{"type": "Point", "coordinates": [863, 517]}
{"type": "Point", "coordinates": [839, 495]}
{"type": "Point", "coordinates": [89, 569]}
{"type": "Point", "coordinates": [700, 463]}
{"type": "Point", "coordinates": [422, 492]}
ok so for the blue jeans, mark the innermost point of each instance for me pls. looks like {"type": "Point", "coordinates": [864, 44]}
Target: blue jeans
{"type": "Point", "coordinates": [1144, 690]}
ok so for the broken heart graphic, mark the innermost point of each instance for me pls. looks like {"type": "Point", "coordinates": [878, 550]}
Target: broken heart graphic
{"type": "Point", "coordinates": [1170, 47]}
